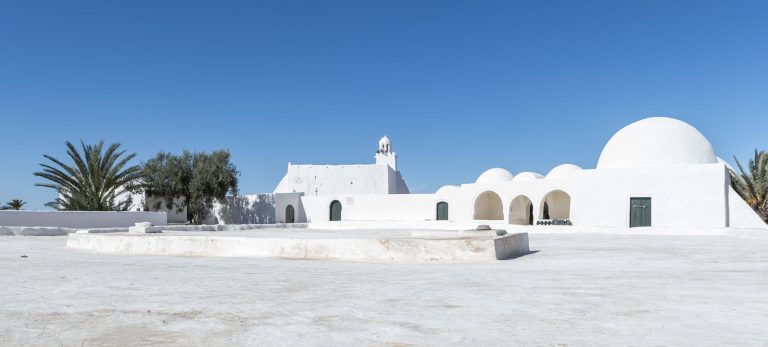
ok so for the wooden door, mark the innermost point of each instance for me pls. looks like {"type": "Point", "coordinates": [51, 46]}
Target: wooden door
{"type": "Point", "coordinates": [640, 212]}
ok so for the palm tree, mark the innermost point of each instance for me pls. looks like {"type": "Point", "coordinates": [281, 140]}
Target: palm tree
{"type": "Point", "coordinates": [15, 204]}
{"type": "Point", "coordinates": [94, 181]}
{"type": "Point", "coordinates": [752, 184]}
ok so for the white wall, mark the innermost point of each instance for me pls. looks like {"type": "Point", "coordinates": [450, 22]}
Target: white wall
{"type": "Point", "coordinates": [397, 184]}
{"type": "Point", "coordinates": [282, 200]}
{"type": "Point", "coordinates": [341, 179]}
{"type": "Point", "coordinates": [740, 214]}
{"type": "Point", "coordinates": [79, 219]}
{"type": "Point", "coordinates": [391, 207]}
{"type": "Point", "coordinates": [244, 209]}
{"type": "Point", "coordinates": [687, 196]}
{"type": "Point", "coordinates": [684, 196]}
{"type": "Point", "coordinates": [156, 204]}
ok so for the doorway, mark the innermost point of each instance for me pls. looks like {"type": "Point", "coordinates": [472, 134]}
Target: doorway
{"type": "Point", "coordinates": [442, 210]}
{"type": "Point", "coordinates": [290, 214]}
{"type": "Point", "coordinates": [639, 212]}
{"type": "Point", "coordinates": [335, 211]}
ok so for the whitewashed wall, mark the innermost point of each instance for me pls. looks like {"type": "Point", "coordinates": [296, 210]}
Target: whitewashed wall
{"type": "Point", "coordinates": [79, 219]}
{"type": "Point", "coordinates": [157, 204]}
{"type": "Point", "coordinates": [740, 214]}
{"type": "Point", "coordinates": [682, 196]}
{"type": "Point", "coordinates": [341, 179]}
{"type": "Point", "coordinates": [282, 200]}
{"type": "Point", "coordinates": [244, 209]}
{"type": "Point", "coordinates": [390, 207]}
{"type": "Point", "coordinates": [685, 196]}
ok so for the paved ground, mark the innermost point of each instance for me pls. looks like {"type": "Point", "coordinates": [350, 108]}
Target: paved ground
{"type": "Point", "coordinates": [578, 290]}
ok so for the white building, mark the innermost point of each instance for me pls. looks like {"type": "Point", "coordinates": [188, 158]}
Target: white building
{"type": "Point", "coordinates": [303, 181]}
{"type": "Point", "coordinates": [379, 178]}
{"type": "Point", "coordinates": [658, 172]}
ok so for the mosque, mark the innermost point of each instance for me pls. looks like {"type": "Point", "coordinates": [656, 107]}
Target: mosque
{"type": "Point", "coordinates": [658, 172]}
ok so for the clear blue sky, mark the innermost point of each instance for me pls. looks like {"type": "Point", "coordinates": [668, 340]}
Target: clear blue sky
{"type": "Point", "coordinates": [459, 86]}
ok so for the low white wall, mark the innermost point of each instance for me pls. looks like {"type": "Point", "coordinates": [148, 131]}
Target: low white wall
{"type": "Point", "coordinates": [392, 207]}
{"type": "Point", "coordinates": [448, 247]}
{"type": "Point", "coordinates": [740, 215]}
{"type": "Point", "coordinates": [79, 219]}
{"type": "Point", "coordinates": [244, 209]}
{"type": "Point", "coordinates": [157, 204]}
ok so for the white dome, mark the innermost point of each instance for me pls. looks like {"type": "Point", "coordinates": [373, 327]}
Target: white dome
{"type": "Point", "coordinates": [528, 176]}
{"type": "Point", "coordinates": [384, 141]}
{"type": "Point", "coordinates": [446, 189]}
{"type": "Point", "coordinates": [563, 170]}
{"type": "Point", "coordinates": [656, 141]}
{"type": "Point", "coordinates": [495, 175]}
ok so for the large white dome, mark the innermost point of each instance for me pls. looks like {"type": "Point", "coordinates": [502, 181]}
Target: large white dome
{"type": "Point", "coordinates": [563, 170]}
{"type": "Point", "coordinates": [495, 175]}
{"type": "Point", "coordinates": [656, 141]}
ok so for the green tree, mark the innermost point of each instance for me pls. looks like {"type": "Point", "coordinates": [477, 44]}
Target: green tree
{"type": "Point", "coordinates": [200, 179]}
{"type": "Point", "coordinates": [752, 183]}
{"type": "Point", "coordinates": [15, 204]}
{"type": "Point", "coordinates": [93, 181]}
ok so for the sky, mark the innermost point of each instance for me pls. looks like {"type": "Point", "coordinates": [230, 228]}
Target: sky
{"type": "Point", "coordinates": [459, 86]}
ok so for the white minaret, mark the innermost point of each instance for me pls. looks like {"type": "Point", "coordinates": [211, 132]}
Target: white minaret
{"type": "Point", "coordinates": [385, 155]}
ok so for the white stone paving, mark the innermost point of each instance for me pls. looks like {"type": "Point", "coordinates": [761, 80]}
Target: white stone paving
{"type": "Point", "coordinates": [580, 289]}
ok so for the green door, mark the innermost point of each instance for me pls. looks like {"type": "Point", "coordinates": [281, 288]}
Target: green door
{"type": "Point", "coordinates": [290, 214]}
{"type": "Point", "coordinates": [335, 211]}
{"type": "Point", "coordinates": [442, 210]}
{"type": "Point", "coordinates": [639, 212]}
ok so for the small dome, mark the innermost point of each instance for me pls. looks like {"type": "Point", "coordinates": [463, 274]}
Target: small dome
{"type": "Point", "coordinates": [385, 141]}
{"type": "Point", "coordinates": [563, 170]}
{"type": "Point", "coordinates": [495, 175]}
{"type": "Point", "coordinates": [656, 141]}
{"type": "Point", "coordinates": [528, 176]}
{"type": "Point", "coordinates": [446, 189]}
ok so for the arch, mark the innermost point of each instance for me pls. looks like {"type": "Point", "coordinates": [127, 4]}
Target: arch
{"type": "Point", "coordinates": [556, 205]}
{"type": "Point", "coordinates": [335, 211]}
{"type": "Point", "coordinates": [442, 211]}
{"type": "Point", "coordinates": [521, 211]}
{"type": "Point", "coordinates": [290, 214]}
{"type": "Point", "coordinates": [488, 206]}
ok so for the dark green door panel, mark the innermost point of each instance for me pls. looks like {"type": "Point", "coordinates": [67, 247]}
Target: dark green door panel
{"type": "Point", "coordinates": [639, 212]}
{"type": "Point", "coordinates": [335, 211]}
{"type": "Point", "coordinates": [290, 214]}
{"type": "Point", "coordinates": [442, 211]}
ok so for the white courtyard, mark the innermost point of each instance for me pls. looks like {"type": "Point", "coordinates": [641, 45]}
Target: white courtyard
{"type": "Point", "coordinates": [578, 289]}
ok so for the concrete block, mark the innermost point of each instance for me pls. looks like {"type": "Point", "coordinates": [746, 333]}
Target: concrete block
{"type": "Point", "coordinates": [511, 246]}
{"type": "Point", "coordinates": [144, 228]}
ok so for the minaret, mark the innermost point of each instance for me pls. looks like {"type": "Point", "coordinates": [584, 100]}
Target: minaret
{"type": "Point", "coordinates": [385, 155]}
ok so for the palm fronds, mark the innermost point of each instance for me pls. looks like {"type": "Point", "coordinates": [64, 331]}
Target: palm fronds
{"type": "Point", "coordinates": [15, 204]}
{"type": "Point", "coordinates": [752, 183]}
{"type": "Point", "coordinates": [95, 179]}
